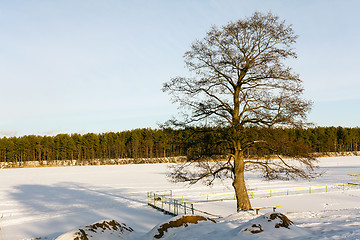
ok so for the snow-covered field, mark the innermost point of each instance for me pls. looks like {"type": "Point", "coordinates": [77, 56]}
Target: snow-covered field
{"type": "Point", "coordinates": [47, 202]}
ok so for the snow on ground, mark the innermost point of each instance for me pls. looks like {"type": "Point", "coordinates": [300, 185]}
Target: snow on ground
{"type": "Point", "coordinates": [47, 202]}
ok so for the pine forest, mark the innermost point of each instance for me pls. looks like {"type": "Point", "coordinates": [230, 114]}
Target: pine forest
{"type": "Point", "coordinates": [155, 143]}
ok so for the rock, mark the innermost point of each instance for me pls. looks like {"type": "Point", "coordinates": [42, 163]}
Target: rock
{"type": "Point", "coordinates": [255, 228]}
{"type": "Point", "coordinates": [284, 221]}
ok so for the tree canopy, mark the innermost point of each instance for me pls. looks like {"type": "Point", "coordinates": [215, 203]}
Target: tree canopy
{"type": "Point", "coordinates": [239, 80]}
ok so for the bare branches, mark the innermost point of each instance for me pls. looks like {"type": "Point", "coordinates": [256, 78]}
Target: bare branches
{"type": "Point", "coordinates": [203, 171]}
{"type": "Point", "coordinates": [240, 81]}
{"type": "Point", "coordinates": [240, 75]}
{"type": "Point", "coordinates": [297, 162]}
{"type": "Point", "coordinates": [285, 169]}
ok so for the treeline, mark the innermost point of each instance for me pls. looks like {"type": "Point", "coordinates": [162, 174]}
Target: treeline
{"type": "Point", "coordinates": [154, 143]}
{"type": "Point", "coordinates": [139, 143]}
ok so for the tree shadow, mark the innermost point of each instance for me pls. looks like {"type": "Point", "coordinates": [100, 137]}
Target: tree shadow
{"type": "Point", "coordinates": [49, 209]}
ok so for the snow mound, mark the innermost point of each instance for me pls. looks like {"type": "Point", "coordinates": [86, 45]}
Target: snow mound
{"type": "Point", "coordinates": [109, 230]}
{"type": "Point", "coordinates": [269, 226]}
{"type": "Point", "coordinates": [239, 217]}
{"type": "Point", "coordinates": [169, 229]}
{"type": "Point", "coordinates": [195, 227]}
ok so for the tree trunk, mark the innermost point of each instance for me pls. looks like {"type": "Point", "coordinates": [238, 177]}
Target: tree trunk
{"type": "Point", "coordinates": [242, 197]}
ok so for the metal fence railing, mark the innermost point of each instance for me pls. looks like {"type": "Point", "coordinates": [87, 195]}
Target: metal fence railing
{"type": "Point", "coordinates": [169, 203]}
{"type": "Point", "coordinates": [265, 193]}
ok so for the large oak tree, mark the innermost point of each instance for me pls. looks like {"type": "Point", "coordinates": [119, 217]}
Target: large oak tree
{"type": "Point", "coordinates": [239, 80]}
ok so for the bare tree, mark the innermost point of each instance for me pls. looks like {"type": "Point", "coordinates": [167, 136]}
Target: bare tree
{"type": "Point", "coordinates": [238, 81]}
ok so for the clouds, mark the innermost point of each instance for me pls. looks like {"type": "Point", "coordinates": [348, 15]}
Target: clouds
{"type": "Point", "coordinates": [7, 133]}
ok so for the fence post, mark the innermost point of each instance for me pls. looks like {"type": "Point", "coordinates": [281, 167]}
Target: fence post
{"type": "Point", "coordinates": [310, 190]}
{"type": "Point", "coordinates": [287, 191]}
{"type": "Point", "coordinates": [175, 207]}
{"type": "Point", "coordinates": [185, 208]}
{"type": "Point", "coordinates": [192, 209]}
{"type": "Point", "coordinates": [343, 187]}
{"type": "Point", "coordinates": [207, 197]}
{"type": "Point", "coordinates": [270, 193]}
{"type": "Point", "coordinates": [326, 188]}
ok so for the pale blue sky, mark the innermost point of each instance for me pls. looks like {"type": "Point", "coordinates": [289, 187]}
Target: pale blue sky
{"type": "Point", "coordinates": [82, 66]}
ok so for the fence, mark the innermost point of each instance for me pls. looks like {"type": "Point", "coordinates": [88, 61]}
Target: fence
{"type": "Point", "coordinates": [353, 179]}
{"type": "Point", "coordinates": [193, 198]}
{"type": "Point", "coordinates": [175, 205]}
{"type": "Point", "coordinates": [166, 203]}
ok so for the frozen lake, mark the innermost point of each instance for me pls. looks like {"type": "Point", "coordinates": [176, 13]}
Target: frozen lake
{"type": "Point", "coordinates": [40, 202]}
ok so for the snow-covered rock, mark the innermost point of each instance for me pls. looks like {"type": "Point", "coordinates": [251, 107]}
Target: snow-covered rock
{"type": "Point", "coordinates": [168, 229]}
{"type": "Point", "coordinates": [244, 225]}
{"type": "Point", "coordinates": [269, 226]}
{"type": "Point", "coordinates": [109, 230]}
